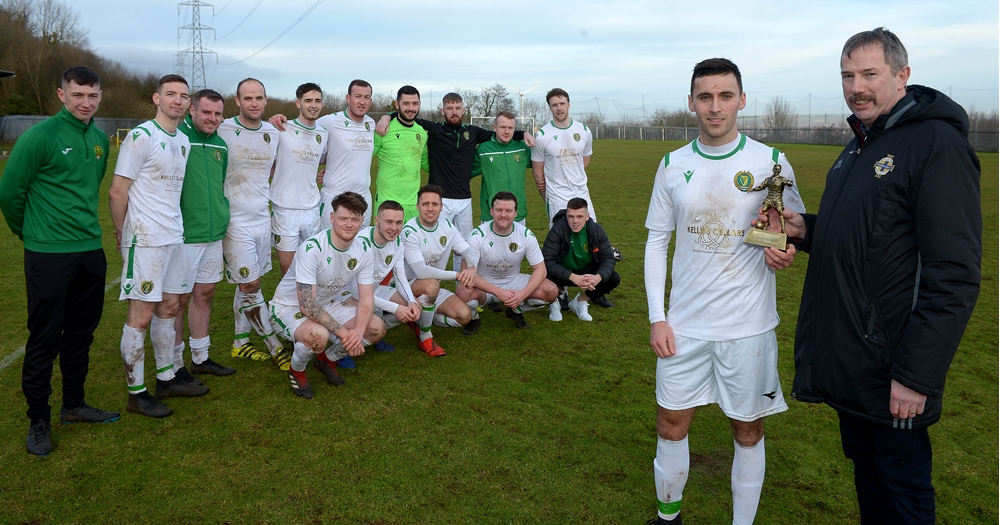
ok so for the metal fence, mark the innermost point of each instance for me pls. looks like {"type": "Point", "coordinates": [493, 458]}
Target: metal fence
{"type": "Point", "coordinates": [980, 140]}
{"type": "Point", "coordinates": [12, 127]}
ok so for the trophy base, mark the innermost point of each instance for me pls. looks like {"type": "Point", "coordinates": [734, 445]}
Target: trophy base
{"type": "Point", "coordinates": [766, 238]}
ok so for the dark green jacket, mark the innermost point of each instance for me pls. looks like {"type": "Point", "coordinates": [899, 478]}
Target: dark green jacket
{"type": "Point", "coordinates": [203, 206]}
{"type": "Point", "coordinates": [502, 167]}
{"type": "Point", "coordinates": [51, 185]}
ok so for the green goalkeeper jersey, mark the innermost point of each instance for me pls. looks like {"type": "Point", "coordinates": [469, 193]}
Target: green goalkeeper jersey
{"type": "Point", "coordinates": [401, 153]}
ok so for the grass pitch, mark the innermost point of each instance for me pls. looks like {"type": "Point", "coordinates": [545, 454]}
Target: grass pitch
{"type": "Point", "coordinates": [551, 425]}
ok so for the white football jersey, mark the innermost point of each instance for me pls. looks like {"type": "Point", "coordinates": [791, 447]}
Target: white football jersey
{"type": "Point", "coordinates": [721, 289]}
{"type": "Point", "coordinates": [433, 245]}
{"type": "Point", "coordinates": [251, 154]}
{"type": "Point", "coordinates": [389, 268]}
{"type": "Point", "coordinates": [319, 262]}
{"type": "Point", "coordinates": [500, 256]}
{"type": "Point", "coordinates": [349, 155]}
{"type": "Point", "coordinates": [293, 186]}
{"type": "Point", "coordinates": [562, 150]}
{"type": "Point", "coordinates": [156, 161]}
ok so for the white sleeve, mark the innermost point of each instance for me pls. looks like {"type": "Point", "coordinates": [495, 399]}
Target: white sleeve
{"type": "Point", "coordinates": [588, 143]}
{"type": "Point", "coordinates": [132, 154]}
{"type": "Point", "coordinates": [366, 275]}
{"type": "Point", "coordinates": [532, 252]}
{"type": "Point", "coordinates": [660, 216]}
{"type": "Point", "coordinates": [386, 305]}
{"type": "Point", "coordinates": [402, 284]}
{"type": "Point", "coordinates": [415, 260]}
{"type": "Point", "coordinates": [791, 198]}
{"type": "Point", "coordinates": [656, 273]}
{"type": "Point", "coordinates": [463, 248]}
{"type": "Point", "coordinates": [305, 263]}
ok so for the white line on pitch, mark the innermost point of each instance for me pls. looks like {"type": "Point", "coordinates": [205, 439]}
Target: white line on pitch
{"type": "Point", "coordinates": [7, 361]}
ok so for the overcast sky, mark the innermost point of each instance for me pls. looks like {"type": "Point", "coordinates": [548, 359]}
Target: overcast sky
{"type": "Point", "coordinates": [620, 55]}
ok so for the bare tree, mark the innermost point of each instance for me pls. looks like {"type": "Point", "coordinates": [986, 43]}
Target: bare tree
{"type": "Point", "coordinates": [592, 119]}
{"type": "Point", "coordinates": [494, 99]}
{"type": "Point", "coordinates": [625, 119]}
{"type": "Point", "coordinates": [677, 118]}
{"type": "Point", "coordinates": [779, 118]}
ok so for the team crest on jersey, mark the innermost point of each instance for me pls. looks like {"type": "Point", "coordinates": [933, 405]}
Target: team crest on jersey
{"type": "Point", "coordinates": [218, 155]}
{"type": "Point", "coordinates": [883, 166]}
{"type": "Point", "coordinates": [576, 137]}
{"type": "Point", "coordinates": [443, 240]}
{"type": "Point", "coordinates": [98, 152]}
{"type": "Point", "coordinates": [267, 138]}
{"type": "Point", "coordinates": [743, 181]}
{"type": "Point", "coordinates": [184, 151]}
{"type": "Point", "coordinates": [244, 272]}
{"type": "Point", "coordinates": [517, 157]}
{"type": "Point", "coordinates": [146, 287]}
{"type": "Point", "coordinates": [368, 126]}
{"type": "Point", "coordinates": [512, 246]}
{"type": "Point", "coordinates": [277, 239]}
{"type": "Point", "coordinates": [388, 260]}
{"type": "Point", "coordinates": [298, 315]}
{"type": "Point", "coordinates": [419, 139]}
{"type": "Point", "coordinates": [465, 135]}
{"type": "Point", "coordinates": [319, 139]}
{"type": "Point", "coordinates": [352, 264]}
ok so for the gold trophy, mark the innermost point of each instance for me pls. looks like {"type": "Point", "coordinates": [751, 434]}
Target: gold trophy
{"type": "Point", "coordinates": [758, 235]}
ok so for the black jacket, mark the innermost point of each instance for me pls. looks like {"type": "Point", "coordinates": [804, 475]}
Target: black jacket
{"type": "Point", "coordinates": [557, 246]}
{"type": "Point", "coordinates": [894, 262]}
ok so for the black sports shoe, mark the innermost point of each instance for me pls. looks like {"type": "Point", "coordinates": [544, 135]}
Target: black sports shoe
{"type": "Point", "coordinates": [564, 301]}
{"type": "Point", "coordinates": [146, 405]}
{"type": "Point", "coordinates": [472, 327]}
{"type": "Point", "coordinates": [660, 521]}
{"type": "Point", "coordinates": [87, 414]}
{"type": "Point", "coordinates": [211, 367]}
{"type": "Point", "coordinates": [177, 388]}
{"type": "Point", "coordinates": [39, 440]}
{"type": "Point", "coordinates": [182, 375]}
{"type": "Point", "coordinates": [329, 370]}
{"type": "Point", "coordinates": [300, 384]}
{"type": "Point", "coordinates": [603, 302]}
{"type": "Point", "coordinates": [495, 307]}
{"type": "Point", "coordinates": [518, 319]}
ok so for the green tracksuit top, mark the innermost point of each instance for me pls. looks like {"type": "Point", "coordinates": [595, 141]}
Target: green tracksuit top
{"type": "Point", "coordinates": [51, 185]}
{"type": "Point", "coordinates": [204, 208]}
{"type": "Point", "coordinates": [401, 153]}
{"type": "Point", "coordinates": [503, 167]}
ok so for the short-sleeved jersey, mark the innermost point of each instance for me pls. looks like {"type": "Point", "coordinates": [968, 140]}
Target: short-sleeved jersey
{"type": "Point", "coordinates": [317, 261]}
{"type": "Point", "coordinates": [562, 150]}
{"type": "Point", "coordinates": [434, 245]}
{"type": "Point", "coordinates": [348, 156]}
{"type": "Point", "coordinates": [156, 161]}
{"type": "Point", "coordinates": [721, 289]}
{"type": "Point", "coordinates": [251, 154]}
{"type": "Point", "coordinates": [402, 152]}
{"type": "Point", "coordinates": [293, 186]}
{"type": "Point", "coordinates": [500, 256]}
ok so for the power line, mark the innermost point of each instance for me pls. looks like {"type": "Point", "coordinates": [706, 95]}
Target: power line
{"type": "Point", "coordinates": [283, 33]}
{"type": "Point", "coordinates": [241, 21]}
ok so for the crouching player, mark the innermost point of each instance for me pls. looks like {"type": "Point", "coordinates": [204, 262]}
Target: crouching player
{"type": "Point", "coordinates": [501, 245]}
{"type": "Point", "coordinates": [429, 242]}
{"type": "Point", "coordinates": [304, 309]}
{"type": "Point", "coordinates": [394, 300]}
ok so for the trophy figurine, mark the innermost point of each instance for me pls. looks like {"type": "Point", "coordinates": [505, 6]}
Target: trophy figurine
{"type": "Point", "coordinates": [758, 235]}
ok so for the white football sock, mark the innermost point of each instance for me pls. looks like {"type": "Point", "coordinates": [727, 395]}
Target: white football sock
{"type": "Point", "coordinates": [474, 306]}
{"type": "Point", "coordinates": [670, 471]}
{"type": "Point", "coordinates": [444, 320]}
{"type": "Point", "coordinates": [179, 355]}
{"type": "Point", "coordinates": [243, 326]}
{"type": "Point", "coordinates": [133, 357]}
{"type": "Point", "coordinates": [301, 356]}
{"type": "Point", "coordinates": [426, 317]}
{"type": "Point", "coordinates": [747, 480]}
{"type": "Point", "coordinates": [161, 334]}
{"type": "Point", "coordinates": [336, 352]}
{"type": "Point", "coordinates": [199, 349]}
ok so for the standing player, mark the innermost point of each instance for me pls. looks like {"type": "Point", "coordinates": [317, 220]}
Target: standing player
{"type": "Point", "coordinates": [429, 241]}
{"type": "Point", "coordinates": [559, 159]}
{"type": "Point", "coordinates": [295, 210]}
{"type": "Point", "coordinates": [501, 245]}
{"type": "Point", "coordinates": [304, 308]}
{"type": "Point", "coordinates": [205, 213]}
{"type": "Point", "coordinates": [502, 161]}
{"type": "Point", "coordinates": [49, 194]}
{"type": "Point", "coordinates": [402, 153]}
{"type": "Point", "coordinates": [145, 207]}
{"type": "Point", "coordinates": [394, 300]}
{"type": "Point", "coordinates": [700, 191]}
{"type": "Point", "coordinates": [253, 146]}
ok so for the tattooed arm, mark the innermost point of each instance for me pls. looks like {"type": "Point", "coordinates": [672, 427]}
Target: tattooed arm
{"type": "Point", "coordinates": [315, 311]}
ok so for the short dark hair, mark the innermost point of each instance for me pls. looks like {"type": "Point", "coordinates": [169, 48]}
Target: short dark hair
{"type": "Point", "coordinates": [504, 196]}
{"type": "Point", "coordinates": [429, 188]}
{"type": "Point", "coordinates": [451, 97]}
{"type": "Point", "coordinates": [407, 90]}
{"type": "Point", "coordinates": [576, 203]}
{"type": "Point", "coordinates": [390, 205]}
{"type": "Point", "coordinates": [358, 82]}
{"type": "Point", "coordinates": [307, 87]}
{"type": "Point", "coordinates": [353, 202]}
{"type": "Point", "coordinates": [893, 50]}
{"type": "Point", "coordinates": [506, 114]}
{"type": "Point", "coordinates": [166, 79]}
{"type": "Point", "coordinates": [556, 92]}
{"type": "Point", "coordinates": [81, 76]}
{"type": "Point", "coordinates": [716, 66]}
{"type": "Point", "coordinates": [210, 94]}
{"type": "Point", "coordinates": [250, 79]}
